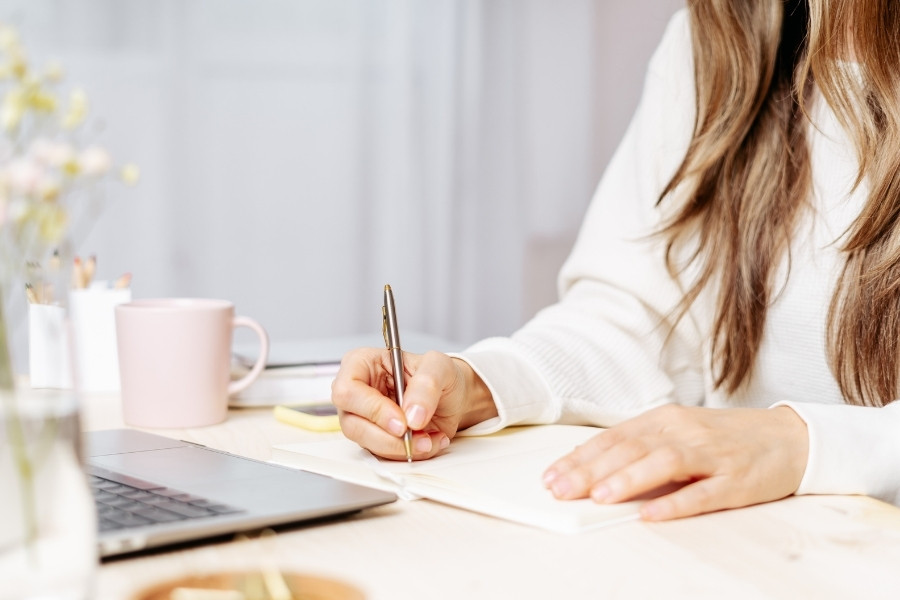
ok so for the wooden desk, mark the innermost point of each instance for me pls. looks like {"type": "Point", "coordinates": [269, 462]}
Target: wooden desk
{"type": "Point", "coordinates": [800, 547]}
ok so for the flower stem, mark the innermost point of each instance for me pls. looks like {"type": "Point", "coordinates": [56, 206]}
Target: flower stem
{"type": "Point", "coordinates": [7, 379]}
{"type": "Point", "coordinates": [16, 434]}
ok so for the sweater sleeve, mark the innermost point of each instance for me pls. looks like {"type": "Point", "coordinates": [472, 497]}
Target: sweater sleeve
{"type": "Point", "coordinates": [604, 352]}
{"type": "Point", "coordinates": [852, 449]}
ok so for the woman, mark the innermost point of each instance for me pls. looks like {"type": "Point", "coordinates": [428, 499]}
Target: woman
{"type": "Point", "coordinates": [731, 308]}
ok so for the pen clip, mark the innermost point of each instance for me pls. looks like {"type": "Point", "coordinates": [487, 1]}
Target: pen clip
{"type": "Point", "coordinates": [384, 327]}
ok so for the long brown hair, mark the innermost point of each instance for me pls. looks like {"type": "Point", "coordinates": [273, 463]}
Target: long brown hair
{"type": "Point", "coordinates": [747, 170]}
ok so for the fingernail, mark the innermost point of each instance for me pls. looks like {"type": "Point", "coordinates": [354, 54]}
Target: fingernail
{"type": "Point", "coordinates": [423, 443]}
{"type": "Point", "coordinates": [396, 427]}
{"type": "Point", "coordinates": [445, 441]}
{"type": "Point", "coordinates": [651, 512]}
{"type": "Point", "coordinates": [560, 487]}
{"type": "Point", "coordinates": [549, 476]}
{"type": "Point", "coordinates": [601, 493]}
{"type": "Point", "coordinates": [415, 416]}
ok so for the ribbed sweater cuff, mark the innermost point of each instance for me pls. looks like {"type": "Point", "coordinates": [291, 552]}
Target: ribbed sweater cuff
{"type": "Point", "coordinates": [852, 449]}
{"type": "Point", "coordinates": [521, 395]}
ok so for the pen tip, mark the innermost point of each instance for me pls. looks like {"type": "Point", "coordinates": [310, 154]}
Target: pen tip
{"type": "Point", "coordinates": [387, 288]}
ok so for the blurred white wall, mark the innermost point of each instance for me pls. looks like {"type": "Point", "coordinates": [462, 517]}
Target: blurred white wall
{"type": "Point", "coordinates": [297, 155]}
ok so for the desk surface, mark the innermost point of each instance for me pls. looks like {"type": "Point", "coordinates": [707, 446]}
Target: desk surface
{"type": "Point", "coordinates": [810, 547]}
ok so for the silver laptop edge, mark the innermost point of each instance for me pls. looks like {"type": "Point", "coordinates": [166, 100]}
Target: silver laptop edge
{"type": "Point", "coordinates": [266, 494]}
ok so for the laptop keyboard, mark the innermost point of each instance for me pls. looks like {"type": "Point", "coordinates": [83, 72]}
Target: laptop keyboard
{"type": "Point", "coordinates": [120, 505]}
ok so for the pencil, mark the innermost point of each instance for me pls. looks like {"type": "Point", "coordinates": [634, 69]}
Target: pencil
{"type": "Point", "coordinates": [123, 281]}
{"type": "Point", "coordinates": [29, 293]}
{"type": "Point", "coordinates": [90, 267]}
{"type": "Point", "coordinates": [77, 273]}
{"type": "Point", "coordinates": [54, 261]}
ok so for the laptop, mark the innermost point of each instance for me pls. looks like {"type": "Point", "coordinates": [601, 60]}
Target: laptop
{"type": "Point", "coordinates": [152, 491]}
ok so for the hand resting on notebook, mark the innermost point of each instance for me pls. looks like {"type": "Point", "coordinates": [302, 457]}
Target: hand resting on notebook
{"type": "Point", "coordinates": [726, 457]}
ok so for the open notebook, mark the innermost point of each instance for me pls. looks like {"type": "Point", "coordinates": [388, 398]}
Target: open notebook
{"type": "Point", "coordinates": [498, 475]}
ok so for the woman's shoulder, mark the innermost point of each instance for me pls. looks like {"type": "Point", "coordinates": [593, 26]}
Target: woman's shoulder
{"type": "Point", "coordinates": [674, 50]}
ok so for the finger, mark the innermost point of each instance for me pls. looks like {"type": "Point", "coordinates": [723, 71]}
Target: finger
{"type": "Point", "coordinates": [364, 401]}
{"type": "Point", "coordinates": [595, 466]}
{"type": "Point", "coordinates": [703, 496]}
{"type": "Point", "coordinates": [583, 453]}
{"type": "Point", "coordinates": [428, 444]}
{"type": "Point", "coordinates": [362, 364]}
{"type": "Point", "coordinates": [643, 426]}
{"type": "Point", "coordinates": [650, 472]}
{"type": "Point", "coordinates": [433, 376]}
{"type": "Point", "coordinates": [358, 389]}
{"type": "Point", "coordinates": [372, 437]}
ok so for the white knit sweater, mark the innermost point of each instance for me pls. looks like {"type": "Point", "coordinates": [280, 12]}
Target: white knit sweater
{"type": "Point", "coordinates": [598, 355]}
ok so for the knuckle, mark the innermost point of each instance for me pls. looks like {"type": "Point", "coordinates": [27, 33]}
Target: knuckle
{"type": "Point", "coordinates": [670, 411]}
{"type": "Point", "coordinates": [585, 451]}
{"type": "Point", "coordinates": [356, 355]}
{"type": "Point", "coordinates": [567, 463]}
{"type": "Point", "coordinates": [339, 390]}
{"type": "Point", "coordinates": [665, 409]}
{"type": "Point", "coordinates": [632, 448]}
{"type": "Point", "coordinates": [622, 482]}
{"type": "Point", "coordinates": [381, 412]}
{"type": "Point", "coordinates": [351, 355]}
{"type": "Point", "coordinates": [671, 458]}
{"type": "Point", "coordinates": [703, 496]}
{"type": "Point", "coordinates": [610, 437]}
{"type": "Point", "coordinates": [579, 479]}
{"type": "Point", "coordinates": [433, 356]}
{"type": "Point", "coordinates": [427, 382]}
{"type": "Point", "coordinates": [349, 426]}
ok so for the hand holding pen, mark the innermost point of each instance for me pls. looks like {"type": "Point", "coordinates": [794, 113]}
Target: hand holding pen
{"type": "Point", "coordinates": [440, 395]}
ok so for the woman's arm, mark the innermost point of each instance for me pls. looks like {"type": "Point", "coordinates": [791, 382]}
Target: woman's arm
{"type": "Point", "coordinates": [606, 351]}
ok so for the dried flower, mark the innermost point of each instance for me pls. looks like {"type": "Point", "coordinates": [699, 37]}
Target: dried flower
{"type": "Point", "coordinates": [130, 174]}
{"type": "Point", "coordinates": [94, 161]}
{"type": "Point", "coordinates": [51, 181]}
{"type": "Point", "coordinates": [77, 111]}
{"type": "Point", "coordinates": [47, 174]}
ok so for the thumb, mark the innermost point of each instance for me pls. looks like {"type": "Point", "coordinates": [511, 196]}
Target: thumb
{"type": "Point", "coordinates": [431, 375]}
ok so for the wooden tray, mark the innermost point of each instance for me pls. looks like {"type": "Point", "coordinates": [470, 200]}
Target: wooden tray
{"type": "Point", "coordinates": [250, 586]}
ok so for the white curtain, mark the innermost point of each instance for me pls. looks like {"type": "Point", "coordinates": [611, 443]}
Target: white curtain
{"type": "Point", "coordinates": [297, 155]}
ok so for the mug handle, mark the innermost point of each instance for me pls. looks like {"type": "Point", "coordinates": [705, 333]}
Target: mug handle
{"type": "Point", "coordinates": [244, 382]}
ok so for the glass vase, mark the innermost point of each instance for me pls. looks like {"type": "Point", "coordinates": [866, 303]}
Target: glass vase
{"type": "Point", "coordinates": [47, 518]}
{"type": "Point", "coordinates": [48, 539]}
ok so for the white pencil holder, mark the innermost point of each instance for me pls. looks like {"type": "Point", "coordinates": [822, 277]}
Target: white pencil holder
{"type": "Point", "coordinates": [93, 314]}
{"type": "Point", "coordinates": [49, 365]}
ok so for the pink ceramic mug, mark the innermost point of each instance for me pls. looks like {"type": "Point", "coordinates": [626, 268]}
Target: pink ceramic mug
{"type": "Point", "coordinates": [175, 360]}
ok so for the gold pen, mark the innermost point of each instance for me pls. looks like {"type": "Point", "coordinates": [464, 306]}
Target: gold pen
{"type": "Point", "coordinates": [392, 340]}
